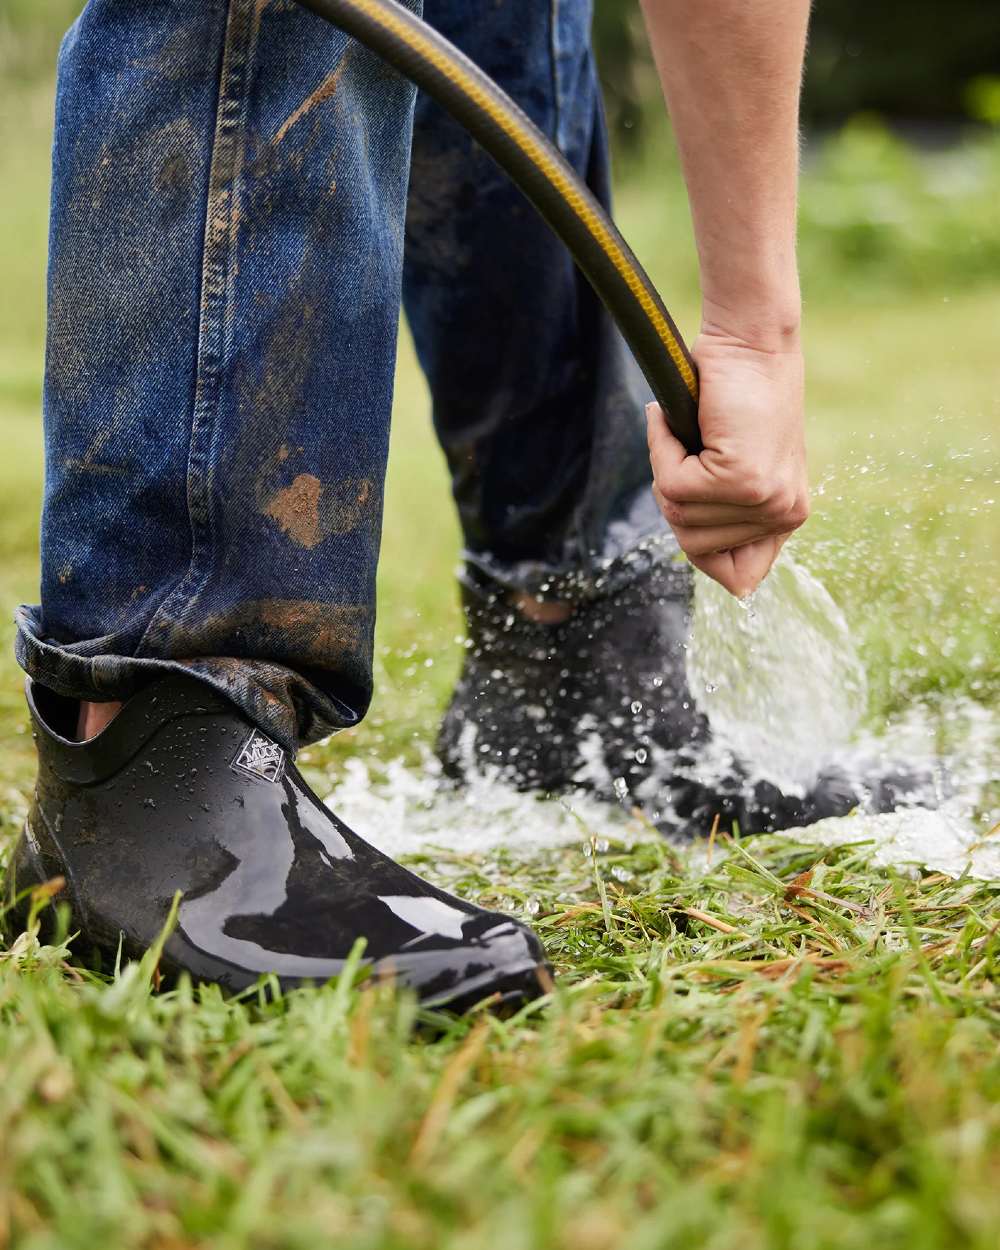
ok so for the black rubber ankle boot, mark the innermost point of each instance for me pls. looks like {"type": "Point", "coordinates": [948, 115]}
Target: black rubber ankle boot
{"type": "Point", "coordinates": [181, 792]}
{"type": "Point", "coordinates": [601, 703]}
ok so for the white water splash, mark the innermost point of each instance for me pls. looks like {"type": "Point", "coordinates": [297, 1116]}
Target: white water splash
{"type": "Point", "coordinates": [407, 810]}
{"type": "Point", "coordinates": [944, 841]}
{"type": "Point", "coordinates": [784, 688]}
{"type": "Point", "coordinates": [778, 676]}
{"type": "Point", "coordinates": [959, 836]}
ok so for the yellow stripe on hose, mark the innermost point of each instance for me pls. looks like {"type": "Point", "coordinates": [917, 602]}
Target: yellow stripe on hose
{"type": "Point", "coordinates": [513, 129]}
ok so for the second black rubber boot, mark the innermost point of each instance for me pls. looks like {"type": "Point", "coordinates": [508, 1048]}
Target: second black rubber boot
{"type": "Point", "coordinates": [602, 703]}
{"type": "Point", "coordinates": [181, 792]}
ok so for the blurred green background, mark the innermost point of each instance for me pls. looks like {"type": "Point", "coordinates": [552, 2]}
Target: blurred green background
{"type": "Point", "coordinates": [900, 254]}
{"type": "Point", "coordinates": [923, 62]}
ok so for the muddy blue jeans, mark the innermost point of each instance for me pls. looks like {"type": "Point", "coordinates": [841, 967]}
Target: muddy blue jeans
{"type": "Point", "coordinates": [242, 198]}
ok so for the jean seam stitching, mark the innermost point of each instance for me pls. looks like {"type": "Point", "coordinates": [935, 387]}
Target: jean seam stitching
{"type": "Point", "coordinates": [217, 273]}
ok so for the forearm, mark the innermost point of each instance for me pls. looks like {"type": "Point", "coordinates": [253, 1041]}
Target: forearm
{"type": "Point", "coordinates": [731, 73]}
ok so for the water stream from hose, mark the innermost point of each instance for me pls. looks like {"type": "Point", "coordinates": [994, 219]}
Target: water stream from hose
{"type": "Point", "coordinates": [777, 675]}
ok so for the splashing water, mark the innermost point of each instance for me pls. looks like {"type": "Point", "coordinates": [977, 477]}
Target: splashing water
{"type": "Point", "coordinates": [962, 835]}
{"type": "Point", "coordinates": [405, 810]}
{"type": "Point", "coordinates": [409, 810]}
{"type": "Point", "coordinates": [784, 688]}
{"type": "Point", "coordinates": [778, 675]}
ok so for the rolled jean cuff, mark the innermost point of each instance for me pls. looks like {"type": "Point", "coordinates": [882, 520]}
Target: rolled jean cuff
{"type": "Point", "coordinates": [633, 543]}
{"type": "Point", "coordinates": [288, 708]}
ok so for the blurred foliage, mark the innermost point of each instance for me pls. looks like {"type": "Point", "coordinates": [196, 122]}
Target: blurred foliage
{"type": "Point", "coordinates": [874, 205]}
{"type": "Point", "coordinates": [925, 61]}
{"type": "Point", "coordinates": [983, 98]}
{"type": "Point", "coordinates": [626, 67]}
{"type": "Point", "coordinates": [878, 215]}
{"type": "Point", "coordinates": [914, 60]}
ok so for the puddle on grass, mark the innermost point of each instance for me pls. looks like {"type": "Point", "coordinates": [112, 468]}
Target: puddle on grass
{"type": "Point", "coordinates": [941, 841]}
{"type": "Point", "coordinates": [784, 688]}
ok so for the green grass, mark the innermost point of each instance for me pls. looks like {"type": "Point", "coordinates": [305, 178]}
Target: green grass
{"type": "Point", "coordinates": [732, 1062]}
{"type": "Point", "coordinates": [738, 1057]}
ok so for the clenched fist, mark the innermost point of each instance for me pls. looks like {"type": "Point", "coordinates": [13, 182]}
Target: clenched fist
{"type": "Point", "coordinates": [733, 506]}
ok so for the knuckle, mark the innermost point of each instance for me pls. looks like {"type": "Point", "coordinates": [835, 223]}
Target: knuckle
{"type": "Point", "coordinates": [674, 512]}
{"type": "Point", "coordinates": [780, 505]}
{"type": "Point", "coordinates": [781, 502]}
{"type": "Point", "coordinates": [754, 489]}
{"type": "Point", "coordinates": [800, 511]}
{"type": "Point", "coordinates": [790, 509]}
{"type": "Point", "coordinates": [661, 479]}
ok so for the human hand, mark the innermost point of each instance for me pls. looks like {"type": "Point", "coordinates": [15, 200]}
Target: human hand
{"type": "Point", "coordinates": [733, 506]}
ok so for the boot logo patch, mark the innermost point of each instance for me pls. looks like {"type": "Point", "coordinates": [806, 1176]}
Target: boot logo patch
{"type": "Point", "coordinates": [261, 758]}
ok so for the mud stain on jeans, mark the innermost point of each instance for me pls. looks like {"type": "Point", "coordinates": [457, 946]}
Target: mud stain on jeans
{"type": "Point", "coordinates": [123, 226]}
{"type": "Point", "coordinates": [323, 636]}
{"type": "Point", "coordinates": [325, 91]}
{"type": "Point", "coordinates": [174, 178]}
{"type": "Point", "coordinates": [320, 630]}
{"type": "Point", "coordinates": [296, 509]}
{"type": "Point", "coordinates": [309, 512]}
{"type": "Point", "coordinates": [283, 373]}
{"type": "Point", "coordinates": [288, 705]}
{"type": "Point", "coordinates": [88, 462]}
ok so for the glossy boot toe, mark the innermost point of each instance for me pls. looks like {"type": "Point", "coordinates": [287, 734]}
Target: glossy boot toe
{"type": "Point", "coordinates": [182, 793]}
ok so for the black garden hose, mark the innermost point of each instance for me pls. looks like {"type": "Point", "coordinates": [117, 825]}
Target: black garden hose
{"type": "Point", "coordinates": [418, 52]}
